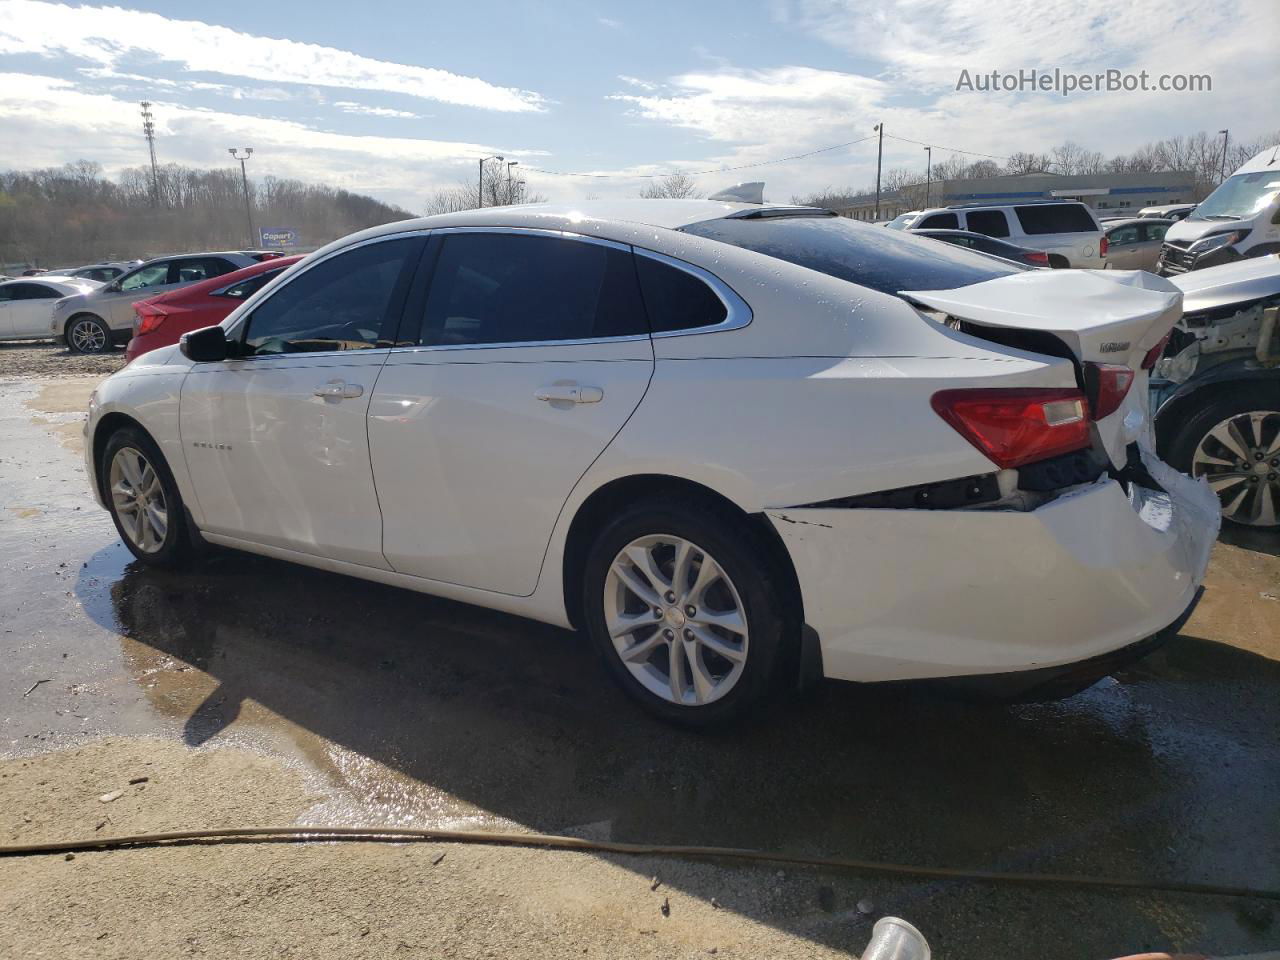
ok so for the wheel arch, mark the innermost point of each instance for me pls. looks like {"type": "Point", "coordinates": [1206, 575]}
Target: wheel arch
{"type": "Point", "coordinates": [594, 511]}
{"type": "Point", "coordinates": [109, 424]}
{"type": "Point", "coordinates": [1197, 392]}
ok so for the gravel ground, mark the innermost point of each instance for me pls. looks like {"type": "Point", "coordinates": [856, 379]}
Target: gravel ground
{"type": "Point", "coordinates": [45, 360]}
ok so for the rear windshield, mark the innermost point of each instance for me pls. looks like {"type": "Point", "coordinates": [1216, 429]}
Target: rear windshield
{"type": "Point", "coordinates": [1056, 218]}
{"type": "Point", "coordinates": [884, 260]}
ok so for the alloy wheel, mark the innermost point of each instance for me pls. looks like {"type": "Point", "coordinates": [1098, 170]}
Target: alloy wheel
{"type": "Point", "coordinates": [138, 497]}
{"type": "Point", "coordinates": [1240, 458]}
{"type": "Point", "coordinates": [88, 336]}
{"type": "Point", "coordinates": [676, 620]}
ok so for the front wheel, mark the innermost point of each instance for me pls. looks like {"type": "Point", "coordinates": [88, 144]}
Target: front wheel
{"type": "Point", "coordinates": [684, 609]}
{"type": "Point", "coordinates": [88, 334]}
{"type": "Point", "coordinates": [1234, 443]}
{"type": "Point", "coordinates": [143, 498]}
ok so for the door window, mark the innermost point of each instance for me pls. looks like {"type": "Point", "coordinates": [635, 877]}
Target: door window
{"type": "Point", "coordinates": [152, 275]}
{"type": "Point", "coordinates": [939, 221]}
{"type": "Point", "coordinates": [30, 291]}
{"type": "Point", "coordinates": [1056, 218]}
{"type": "Point", "coordinates": [249, 286]}
{"type": "Point", "coordinates": [989, 222]}
{"type": "Point", "coordinates": [192, 269]}
{"type": "Point", "coordinates": [1155, 231]}
{"type": "Point", "coordinates": [490, 288]}
{"type": "Point", "coordinates": [342, 303]}
{"type": "Point", "coordinates": [675, 299]}
{"type": "Point", "coordinates": [1123, 235]}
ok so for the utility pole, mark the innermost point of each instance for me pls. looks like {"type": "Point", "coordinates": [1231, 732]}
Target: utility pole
{"type": "Point", "coordinates": [928, 175]}
{"type": "Point", "coordinates": [244, 181]}
{"type": "Point", "coordinates": [480, 185]}
{"type": "Point", "coordinates": [510, 164]}
{"type": "Point", "coordinates": [879, 128]}
{"type": "Point", "coordinates": [1222, 173]}
{"type": "Point", "coordinates": [149, 131]}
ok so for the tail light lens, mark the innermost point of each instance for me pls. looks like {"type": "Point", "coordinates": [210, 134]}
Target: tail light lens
{"type": "Point", "coordinates": [1037, 257]}
{"type": "Point", "coordinates": [150, 317]}
{"type": "Point", "coordinates": [1017, 426]}
{"type": "Point", "coordinates": [1149, 361]}
{"type": "Point", "coordinates": [1103, 245]}
{"type": "Point", "coordinates": [1106, 385]}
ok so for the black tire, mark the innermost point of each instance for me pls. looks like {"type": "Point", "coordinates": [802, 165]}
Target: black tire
{"type": "Point", "coordinates": [1222, 405]}
{"type": "Point", "coordinates": [745, 560]}
{"type": "Point", "coordinates": [175, 547]}
{"type": "Point", "coordinates": [87, 333]}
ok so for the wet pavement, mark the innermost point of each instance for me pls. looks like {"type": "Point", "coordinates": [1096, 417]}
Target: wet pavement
{"type": "Point", "coordinates": [419, 711]}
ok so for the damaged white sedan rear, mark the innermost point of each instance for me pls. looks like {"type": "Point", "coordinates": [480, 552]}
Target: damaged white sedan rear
{"type": "Point", "coordinates": [737, 445]}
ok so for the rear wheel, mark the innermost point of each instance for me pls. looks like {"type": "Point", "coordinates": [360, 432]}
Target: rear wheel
{"type": "Point", "coordinates": [88, 334]}
{"type": "Point", "coordinates": [1234, 443]}
{"type": "Point", "coordinates": [143, 499]}
{"type": "Point", "coordinates": [682, 606]}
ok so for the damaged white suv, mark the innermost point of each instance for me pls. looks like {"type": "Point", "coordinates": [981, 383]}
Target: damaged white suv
{"type": "Point", "coordinates": [737, 445]}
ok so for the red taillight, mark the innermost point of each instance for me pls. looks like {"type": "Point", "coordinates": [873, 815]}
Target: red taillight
{"type": "Point", "coordinates": [1037, 257]}
{"type": "Point", "coordinates": [150, 317]}
{"type": "Point", "coordinates": [1106, 385]}
{"type": "Point", "coordinates": [1019, 425]}
{"type": "Point", "coordinates": [1153, 354]}
{"type": "Point", "coordinates": [1103, 245]}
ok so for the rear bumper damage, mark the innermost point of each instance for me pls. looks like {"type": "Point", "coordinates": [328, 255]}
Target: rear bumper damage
{"type": "Point", "coordinates": [896, 594]}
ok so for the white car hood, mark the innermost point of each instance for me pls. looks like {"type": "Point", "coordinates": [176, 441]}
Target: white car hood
{"type": "Point", "coordinates": [1109, 316]}
{"type": "Point", "coordinates": [1238, 282]}
{"type": "Point", "coordinates": [1193, 230]}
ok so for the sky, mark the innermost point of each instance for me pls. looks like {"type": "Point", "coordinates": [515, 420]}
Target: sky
{"type": "Point", "coordinates": [400, 99]}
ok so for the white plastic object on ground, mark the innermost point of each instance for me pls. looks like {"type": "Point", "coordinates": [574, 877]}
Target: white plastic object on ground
{"type": "Point", "coordinates": [892, 938]}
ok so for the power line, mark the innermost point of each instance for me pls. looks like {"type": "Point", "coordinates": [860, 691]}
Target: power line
{"type": "Point", "coordinates": [696, 173]}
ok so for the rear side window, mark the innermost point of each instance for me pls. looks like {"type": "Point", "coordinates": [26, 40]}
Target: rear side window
{"type": "Point", "coordinates": [1055, 218]}
{"type": "Point", "coordinates": [340, 304]}
{"type": "Point", "coordinates": [1155, 231]}
{"type": "Point", "coordinates": [884, 260]}
{"type": "Point", "coordinates": [989, 222]}
{"type": "Point", "coordinates": [939, 221]}
{"type": "Point", "coordinates": [513, 288]}
{"type": "Point", "coordinates": [675, 299]}
{"type": "Point", "coordinates": [192, 269]}
{"type": "Point", "coordinates": [248, 287]}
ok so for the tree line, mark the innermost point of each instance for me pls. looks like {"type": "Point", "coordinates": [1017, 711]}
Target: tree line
{"type": "Point", "coordinates": [73, 214]}
{"type": "Point", "coordinates": [1199, 154]}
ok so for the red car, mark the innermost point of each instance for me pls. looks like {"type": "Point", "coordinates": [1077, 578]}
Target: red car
{"type": "Point", "coordinates": [161, 320]}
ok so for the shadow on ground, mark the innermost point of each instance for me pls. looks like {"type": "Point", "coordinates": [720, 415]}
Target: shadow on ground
{"type": "Point", "coordinates": [1167, 771]}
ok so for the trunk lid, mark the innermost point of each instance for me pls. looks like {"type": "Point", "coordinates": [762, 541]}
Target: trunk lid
{"type": "Point", "coordinates": [1111, 317]}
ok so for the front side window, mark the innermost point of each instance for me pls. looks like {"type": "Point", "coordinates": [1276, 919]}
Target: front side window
{"type": "Point", "coordinates": [1123, 235]}
{"type": "Point", "coordinates": [870, 256]}
{"type": "Point", "coordinates": [513, 288]}
{"type": "Point", "coordinates": [249, 286]}
{"type": "Point", "coordinates": [152, 275]}
{"type": "Point", "coordinates": [989, 222]}
{"type": "Point", "coordinates": [342, 303]}
{"type": "Point", "coordinates": [1056, 218]}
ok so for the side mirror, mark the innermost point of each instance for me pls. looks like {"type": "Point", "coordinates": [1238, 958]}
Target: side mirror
{"type": "Point", "coordinates": [206, 345]}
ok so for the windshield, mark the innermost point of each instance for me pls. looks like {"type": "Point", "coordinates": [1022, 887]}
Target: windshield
{"type": "Point", "coordinates": [1240, 197]}
{"type": "Point", "coordinates": [883, 260]}
{"type": "Point", "coordinates": [902, 221]}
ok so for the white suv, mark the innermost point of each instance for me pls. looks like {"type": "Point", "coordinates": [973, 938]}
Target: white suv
{"type": "Point", "coordinates": [1065, 227]}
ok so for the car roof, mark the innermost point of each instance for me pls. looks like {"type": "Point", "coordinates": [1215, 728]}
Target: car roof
{"type": "Point", "coordinates": [1112, 224]}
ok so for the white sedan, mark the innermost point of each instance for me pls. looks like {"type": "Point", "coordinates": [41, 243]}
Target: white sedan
{"type": "Point", "coordinates": [26, 304]}
{"type": "Point", "coordinates": [737, 445]}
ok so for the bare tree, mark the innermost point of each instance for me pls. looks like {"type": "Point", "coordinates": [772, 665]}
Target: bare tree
{"type": "Point", "coordinates": [499, 189]}
{"type": "Point", "coordinates": [675, 186]}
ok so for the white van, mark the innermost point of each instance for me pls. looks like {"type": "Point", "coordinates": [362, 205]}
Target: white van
{"type": "Point", "coordinates": [1065, 227]}
{"type": "Point", "coordinates": [1240, 219]}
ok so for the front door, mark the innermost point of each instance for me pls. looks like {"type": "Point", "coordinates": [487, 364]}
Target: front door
{"type": "Point", "coordinates": [526, 354]}
{"type": "Point", "coordinates": [1123, 251]}
{"type": "Point", "coordinates": [116, 300]}
{"type": "Point", "coordinates": [275, 437]}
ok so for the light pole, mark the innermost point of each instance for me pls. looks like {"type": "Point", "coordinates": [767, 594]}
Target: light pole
{"type": "Point", "coordinates": [510, 164]}
{"type": "Point", "coordinates": [480, 193]}
{"type": "Point", "coordinates": [879, 128]}
{"type": "Point", "coordinates": [928, 174]}
{"type": "Point", "coordinates": [1222, 173]}
{"type": "Point", "coordinates": [244, 182]}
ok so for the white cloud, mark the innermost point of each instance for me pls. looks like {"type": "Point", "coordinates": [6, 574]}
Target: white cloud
{"type": "Point", "coordinates": [610, 23]}
{"type": "Point", "coordinates": [637, 82]}
{"type": "Point", "coordinates": [48, 122]}
{"type": "Point", "coordinates": [108, 36]}
{"type": "Point", "coordinates": [350, 106]}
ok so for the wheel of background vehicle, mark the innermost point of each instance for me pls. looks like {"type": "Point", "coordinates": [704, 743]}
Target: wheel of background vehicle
{"type": "Point", "coordinates": [88, 334]}
{"type": "Point", "coordinates": [143, 499]}
{"type": "Point", "coordinates": [1234, 442]}
{"type": "Point", "coordinates": [684, 609]}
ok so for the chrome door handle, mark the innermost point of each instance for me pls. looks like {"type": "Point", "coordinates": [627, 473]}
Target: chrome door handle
{"type": "Point", "coordinates": [338, 390]}
{"type": "Point", "coordinates": [569, 393]}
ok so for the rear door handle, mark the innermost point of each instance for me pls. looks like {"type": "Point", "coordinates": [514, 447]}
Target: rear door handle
{"type": "Point", "coordinates": [569, 392]}
{"type": "Point", "coordinates": [339, 390]}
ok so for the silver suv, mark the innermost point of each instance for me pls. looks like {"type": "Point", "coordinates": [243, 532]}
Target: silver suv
{"type": "Point", "coordinates": [92, 322]}
{"type": "Point", "coordinates": [1064, 227]}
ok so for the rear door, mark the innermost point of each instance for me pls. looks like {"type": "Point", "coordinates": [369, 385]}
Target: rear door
{"type": "Point", "coordinates": [1152, 238]}
{"type": "Point", "coordinates": [1124, 248]}
{"type": "Point", "coordinates": [276, 438]}
{"type": "Point", "coordinates": [519, 362]}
